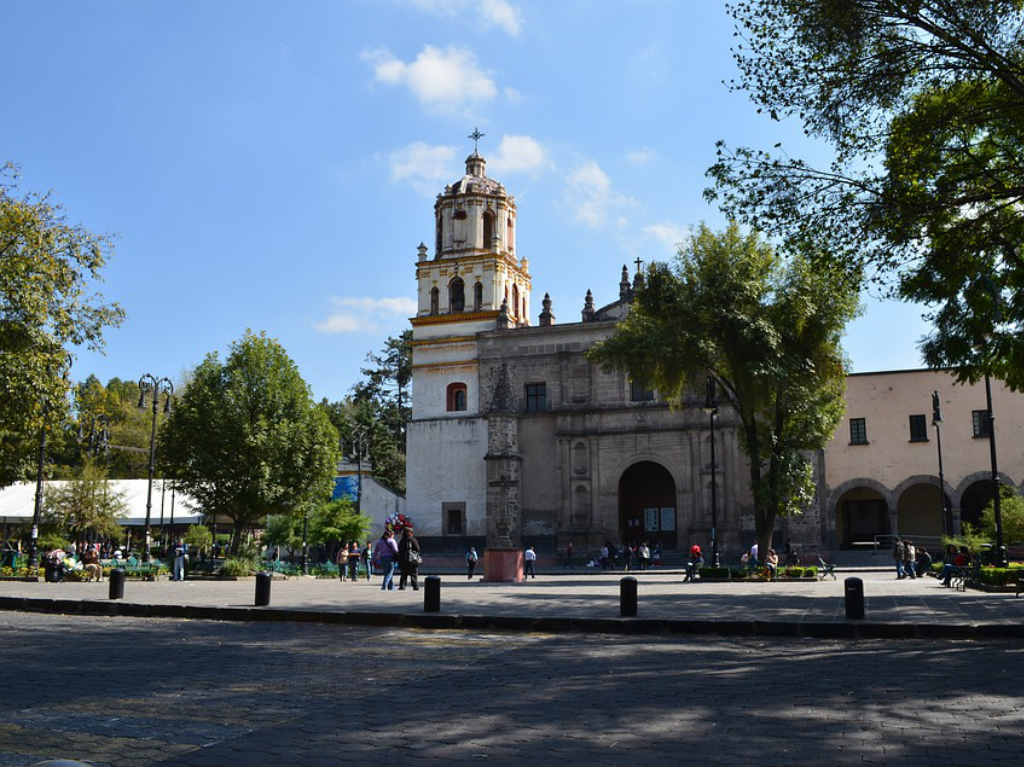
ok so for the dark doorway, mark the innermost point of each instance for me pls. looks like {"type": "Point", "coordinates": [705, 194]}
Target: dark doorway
{"type": "Point", "coordinates": [647, 505]}
{"type": "Point", "coordinates": [863, 514]}
{"type": "Point", "coordinates": [973, 502]}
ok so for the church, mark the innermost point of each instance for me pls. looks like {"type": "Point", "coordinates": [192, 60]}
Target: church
{"type": "Point", "coordinates": [517, 438]}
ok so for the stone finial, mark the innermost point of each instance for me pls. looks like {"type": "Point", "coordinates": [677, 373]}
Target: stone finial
{"type": "Point", "coordinates": [638, 281]}
{"type": "Point", "coordinates": [625, 291]}
{"type": "Point", "coordinates": [504, 318]}
{"type": "Point", "coordinates": [546, 317]}
{"type": "Point", "coordinates": [588, 307]}
{"type": "Point", "coordinates": [421, 252]}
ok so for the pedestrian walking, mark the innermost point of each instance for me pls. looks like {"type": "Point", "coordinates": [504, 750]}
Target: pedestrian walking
{"type": "Point", "coordinates": [385, 554]}
{"type": "Point", "coordinates": [530, 558]}
{"type": "Point", "coordinates": [179, 561]}
{"type": "Point", "coordinates": [366, 555]}
{"type": "Point", "coordinates": [471, 560]}
{"type": "Point", "coordinates": [627, 556]}
{"type": "Point", "coordinates": [568, 554]}
{"type": "Point", "coordinates": [409, 559]}
{"type": "Point", "coordinates": [342, 561]}
{"type": "Point", "coordinates": [898, 554]}
{"type": "Point", "coordinates": [645, 555]}
{"type": "Point", "coordinates": [909, 559]}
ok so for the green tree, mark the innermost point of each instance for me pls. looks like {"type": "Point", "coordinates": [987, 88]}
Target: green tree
{"type": "Point", "coordinates": [336, 522]}
{"type": "Point", "coordinates": [386, 385]}
{"type": "Point", "coordinates": [283, 530]}
{"type": "Point", "coordinates": [922, 102]}
{"type": "Point", "coordinates": [198, 537]}
{"type": "Point", "coordinates": [768, 329]}
{"type": "Point", "coordinates": [1011, 508]}
{"type": "Point", "coordinates": [86, 507]}
{"type": "Point", "coordinates": [246, 440]}
{"type": "Point", "coordinates": [47, 270]}
{"type": "Point", "coordinates": [361, 428]}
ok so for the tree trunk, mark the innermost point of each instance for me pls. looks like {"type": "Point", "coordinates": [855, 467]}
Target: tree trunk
{"type": "Point", "coordinates": [236, 538]}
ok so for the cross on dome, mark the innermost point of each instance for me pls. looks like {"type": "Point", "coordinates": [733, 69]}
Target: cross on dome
{"type": "Point", "coordinates": [476, 135]}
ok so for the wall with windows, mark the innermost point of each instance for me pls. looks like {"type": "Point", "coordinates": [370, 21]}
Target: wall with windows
{"type": "Point", "coordinates": [881, 466]}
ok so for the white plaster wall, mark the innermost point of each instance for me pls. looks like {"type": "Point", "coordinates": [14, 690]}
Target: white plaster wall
{"type": "Point", "coordinates": [430, 390]}
{"type": "Point", "coordinates": [445, 463]}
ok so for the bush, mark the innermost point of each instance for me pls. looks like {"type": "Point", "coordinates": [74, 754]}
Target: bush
{"type": "Point", "coordinates": [1000, 576]}
{"type": "Point", "coordinates": [237, 567]}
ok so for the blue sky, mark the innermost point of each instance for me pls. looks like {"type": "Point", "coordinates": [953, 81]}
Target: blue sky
{"type": "Point", "coordinates": [272, 165]}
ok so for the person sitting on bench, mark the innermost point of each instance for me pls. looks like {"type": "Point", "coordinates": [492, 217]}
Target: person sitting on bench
{"type": "Point", "coordinates": [695, 562]}
{"type": "Point", "coordinates": [959, 561]}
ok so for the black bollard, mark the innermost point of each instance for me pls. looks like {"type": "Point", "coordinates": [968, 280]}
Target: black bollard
{"type": "Point", "coordinates": [117, 584]}
{"type": "Point", "coordinates": [262, 589]}
{"type": "Point", "coordinates": [854, 588]}
{"type": "Point", "coordinates": [432, 594]}
{"type": "Point", "coordinates": [627, 597]}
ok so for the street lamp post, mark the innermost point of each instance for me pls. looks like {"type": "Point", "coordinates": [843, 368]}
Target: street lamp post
{"type": "Point", "coordinates": [150, 385]}
{"type": "Point", "coordinates": [33, 546]}
{"type": "Point", "coordinates": [937, 423]}
{"type": "Point", "coordinates": [711, 408]}
{"type": "Point", "coordinates": [305, 541]}
{"type": "Point", "coordinates": [1000, 560]}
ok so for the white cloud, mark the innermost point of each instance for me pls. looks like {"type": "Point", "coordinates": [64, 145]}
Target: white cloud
{"type": "Point", "coordinates": [365, 314]}
{"type": "Point", "coordinates": [640, 156]}
{"type": "Point", "coordinates": [438, 78]}
{"type": "Point", "coordinates": [589, 191]}
{"type": "Point", "coordinates": [518, 154]}
{"type": "Point", "coordinates": [494, 13]}
{"type": "Point", "coordinates": [423, 166]}
{"type": "Point", "coordinates": [669, 235]}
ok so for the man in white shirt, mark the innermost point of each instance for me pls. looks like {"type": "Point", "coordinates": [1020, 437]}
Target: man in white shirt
{"type": "Point", "coordinates": [530, 556]}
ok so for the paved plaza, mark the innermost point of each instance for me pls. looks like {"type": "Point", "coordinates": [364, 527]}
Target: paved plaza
{"type": "Point", "coordinates": [661, 596]}
{"type": "Point", "coordinates": [128, 691]}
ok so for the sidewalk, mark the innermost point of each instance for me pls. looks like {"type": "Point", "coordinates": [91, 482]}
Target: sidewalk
{"type": "Point", "coordinates": [894, 608]}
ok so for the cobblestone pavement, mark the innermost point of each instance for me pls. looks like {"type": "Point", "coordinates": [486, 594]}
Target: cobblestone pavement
{"type": "Point", "coordinates": [127, 691]}
{"type": "Point", "coordinates": [661, 595]}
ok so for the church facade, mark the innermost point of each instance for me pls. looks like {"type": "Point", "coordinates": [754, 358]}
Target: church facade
{"type": "Point", "coordinates": [516, 437]}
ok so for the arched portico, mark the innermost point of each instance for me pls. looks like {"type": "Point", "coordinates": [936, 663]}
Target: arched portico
{"type": "Point", "coordinates": [920, 512]}
{"type": "Point", "coordinates": [647, 505]}
{"type": "Point", "coordinates": [861, 510]}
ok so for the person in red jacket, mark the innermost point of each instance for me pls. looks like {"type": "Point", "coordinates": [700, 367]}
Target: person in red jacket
{"type": "Point", "coordinates": [695, 562]}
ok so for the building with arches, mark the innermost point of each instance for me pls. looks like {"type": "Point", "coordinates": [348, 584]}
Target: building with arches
{"type": "Point", "coordinates": [515, 436]}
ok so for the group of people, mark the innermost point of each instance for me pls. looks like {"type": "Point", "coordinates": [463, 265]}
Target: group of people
{"type": "Point", "coordinates": [639, 555]}
{"type": "Point", "coordinates": [350, 557]}
{"type": "Point", "coordinates": [403, 555]}
{"type": "Point", "coordinates": [910, 562]}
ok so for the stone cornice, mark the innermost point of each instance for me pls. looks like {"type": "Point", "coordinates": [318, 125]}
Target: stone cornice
{"type": "Point", "coordinates": [442, 340]}
{"type": "Point", "coordinates": [442, 319]}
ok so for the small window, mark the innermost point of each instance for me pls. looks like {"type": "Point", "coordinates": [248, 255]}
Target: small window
{"type": "Point", "coordinates": [460, 215]}
{"type": "Point", "coordinates": [979, 423]}
{"type": "Point", "coordinates": [456, 396]}
{"type": "Point", "coordinates": [454, 518]}
{"type": "Point", "coordinates": [515, 300]}
{"type": "Point", "coordinates": [536, 397]}
{"type": "Point", "coordinates": [440, 236]}
{"type": "Point", "coordinates": [639, 392]}
{"type": "Point", "coordinates": [478, 297]}
{"type": "Point", "coordinates": [434, 300]}
{"type": "Point", "coordinates": [488, 229]}
{"type": "Point", "coordinates": [858, 431]}
{"type": "Point", "coordinates": [918, 429]}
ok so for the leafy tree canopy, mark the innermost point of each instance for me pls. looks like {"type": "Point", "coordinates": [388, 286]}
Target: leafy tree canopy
{"type": "Point", "coordinates": [87, 507]}
{"type": "Point", "coordinates": [1011, 508]}
{"type": "Point", "coordinates": [246, 439]}
{"type": "Point", "coordinates": [768, 330]}
{"type": "Point", "coordinates": [47, 270]}
{"type": "Point", "coordinates": [923, 103]}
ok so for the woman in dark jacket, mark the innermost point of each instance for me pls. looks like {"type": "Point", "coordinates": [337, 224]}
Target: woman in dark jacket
{"type": "Point", "coordinates": [409, 558]}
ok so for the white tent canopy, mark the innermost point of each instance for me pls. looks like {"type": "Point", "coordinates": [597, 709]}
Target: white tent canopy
{"type": "Point", "coordinates": [17, 503]}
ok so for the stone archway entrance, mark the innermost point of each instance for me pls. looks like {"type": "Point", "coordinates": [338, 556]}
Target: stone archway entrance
{"type": "Point", "coordinates": [974, 500]}
{"type": "Point", "coordinates": [647, 505]}
{"type": "Point", "coordinates": [861, 514]}
{"type": "Point", "coordinates": [919, 511]}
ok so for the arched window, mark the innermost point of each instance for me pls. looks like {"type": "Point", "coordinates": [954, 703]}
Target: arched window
{"type": "Point", "coordinates": [456, 295]}
{"type": "Point", "coordinates": [509, 239]}
{"type": "Point", "coordinates": [488, 229]}
{"type": "Point", "coordinates": [434, 300]}
{"type": "Point", "coordinates": [478, 297]}
{"type": "Point", "coordinates": [456, 397]}
{"type": "Point", "coordinates": [524, 309]}
{"type": "Point", "coordinates": [440, 236]}
{"type": "Point", "coordinates": [515, 300]}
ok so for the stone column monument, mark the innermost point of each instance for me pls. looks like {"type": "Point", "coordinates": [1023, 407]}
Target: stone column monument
{"type": "Point", "coordinates": [503, 557]}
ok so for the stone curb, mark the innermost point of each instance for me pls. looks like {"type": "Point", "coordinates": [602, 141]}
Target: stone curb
{"type": "Point", "coordinates": [816, 630]}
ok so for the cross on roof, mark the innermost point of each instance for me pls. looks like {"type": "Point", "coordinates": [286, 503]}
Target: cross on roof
{"type": "Point", "coordinates": [638, 262]}
{"type": "Point", "coordinates": [476, 135]}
